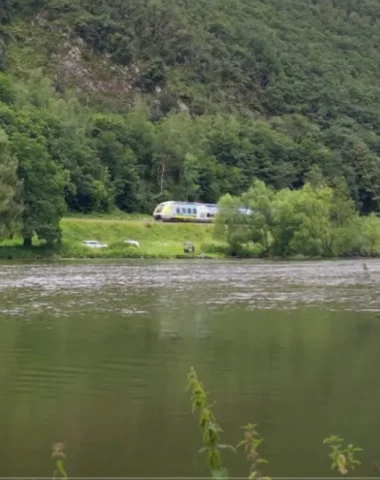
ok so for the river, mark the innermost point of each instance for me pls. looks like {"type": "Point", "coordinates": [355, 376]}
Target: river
{"type": "Point", "coordinates": [96, 354]}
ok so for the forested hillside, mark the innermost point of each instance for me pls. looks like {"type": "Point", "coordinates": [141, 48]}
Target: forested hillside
{"type": "Point", "coordinates": [126, 103]}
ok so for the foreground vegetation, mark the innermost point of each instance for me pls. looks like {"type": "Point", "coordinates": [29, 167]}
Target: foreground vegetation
{"type": "Point", "coordinates": [342, 457]}
{"type": "Point", "coordinates": [125, 104]}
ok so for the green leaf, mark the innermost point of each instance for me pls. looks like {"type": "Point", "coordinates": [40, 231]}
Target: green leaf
{"type": "Point", "coordinates": [214, 427]}
{"type": "Point", "coordinates": [220, 474]}
{"type": "Point", "coordinates": [240, 444]}
{"type": "Point", "coordinates": [259, 442]}
{"type": "Point", "coordinates": [222, 446]}
{"type": "Point", "coordinates": [203, 449]}
{"type": "Point", "coordinates": [250, 426]}
{"type": "Point", "coordinates": [61, 469]}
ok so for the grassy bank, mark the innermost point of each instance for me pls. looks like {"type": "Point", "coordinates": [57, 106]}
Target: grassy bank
{"type": "Point", "coordinates": [157, 240]}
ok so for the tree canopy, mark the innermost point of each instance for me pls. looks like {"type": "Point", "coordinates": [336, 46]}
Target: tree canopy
{"type": "Point", "coordinates": [315, 220]}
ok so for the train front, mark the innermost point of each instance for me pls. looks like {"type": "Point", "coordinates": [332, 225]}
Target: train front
{"type": "Point", "coordinates": [163, 211]}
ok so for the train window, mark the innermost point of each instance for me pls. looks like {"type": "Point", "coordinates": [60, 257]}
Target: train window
{"type": "Point", "coordinates": [184, 210]}
{"type": "Point", "coordinates": [189, 210]}
{"type": "Point", "coordinates": [194, 211]}
{"type": "Point", "coordinates": [177, 210]}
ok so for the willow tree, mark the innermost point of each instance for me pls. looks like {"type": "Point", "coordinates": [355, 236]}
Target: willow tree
{"type": "Point", "coordinates": [43, 190]}
{"type": "Point", "coordinates": [239, 226]}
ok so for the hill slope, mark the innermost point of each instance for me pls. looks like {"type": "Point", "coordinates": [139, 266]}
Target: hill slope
{"type": "Point", "coordinates": [143, 100]}
{"type": "Point", "coordinates": [319, 58]}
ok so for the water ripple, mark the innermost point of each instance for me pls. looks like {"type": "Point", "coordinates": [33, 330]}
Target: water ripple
{"type": "Point", "coordinates": [61, 288]}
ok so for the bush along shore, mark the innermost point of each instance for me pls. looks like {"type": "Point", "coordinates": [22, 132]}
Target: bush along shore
{"type": "Point", "coordinates": [229, 238]}
{"type": "Point", "coordinates": [317, 220]}
{"type": "Point", "coordinates": [313, 222]}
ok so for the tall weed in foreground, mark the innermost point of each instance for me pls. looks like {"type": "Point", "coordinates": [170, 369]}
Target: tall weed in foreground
{"type": "Point", "coordinates": [342, 457]}
{"type": "Point", "coordinates": [210, 428]}
{"type": "Point", "coordinates": [59, 456]}
{"type": "Point", "coordinates": [251, 443]}
{"type": "Point", "coordinates": [211, 435]}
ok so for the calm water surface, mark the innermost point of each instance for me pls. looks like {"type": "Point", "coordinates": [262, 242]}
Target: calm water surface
{"type": "Point", "coordinates": [96, 355]}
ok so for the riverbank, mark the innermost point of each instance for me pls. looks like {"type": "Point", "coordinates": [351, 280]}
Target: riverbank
{"type": "Point", "coordinates": [157, 240]}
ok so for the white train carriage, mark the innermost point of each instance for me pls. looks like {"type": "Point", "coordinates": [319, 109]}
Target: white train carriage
{"type": "Point", "coordinates": [172, 211]}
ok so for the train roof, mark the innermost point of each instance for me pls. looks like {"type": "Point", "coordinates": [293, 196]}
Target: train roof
{"type": "Point", "coordinates": [188, 203]}
{"type": "Point", "coordinates": [198, 204]}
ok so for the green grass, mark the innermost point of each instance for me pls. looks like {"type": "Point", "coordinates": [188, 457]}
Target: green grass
{"type": "Point", "coordinates": [157, 240]}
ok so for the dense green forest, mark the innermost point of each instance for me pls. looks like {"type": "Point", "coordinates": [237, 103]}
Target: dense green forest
{"type": "Point", "coordinates": [125, 103]}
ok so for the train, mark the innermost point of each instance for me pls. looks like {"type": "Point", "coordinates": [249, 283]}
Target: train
{"type": "Point", "coordinates": [172, 211]}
